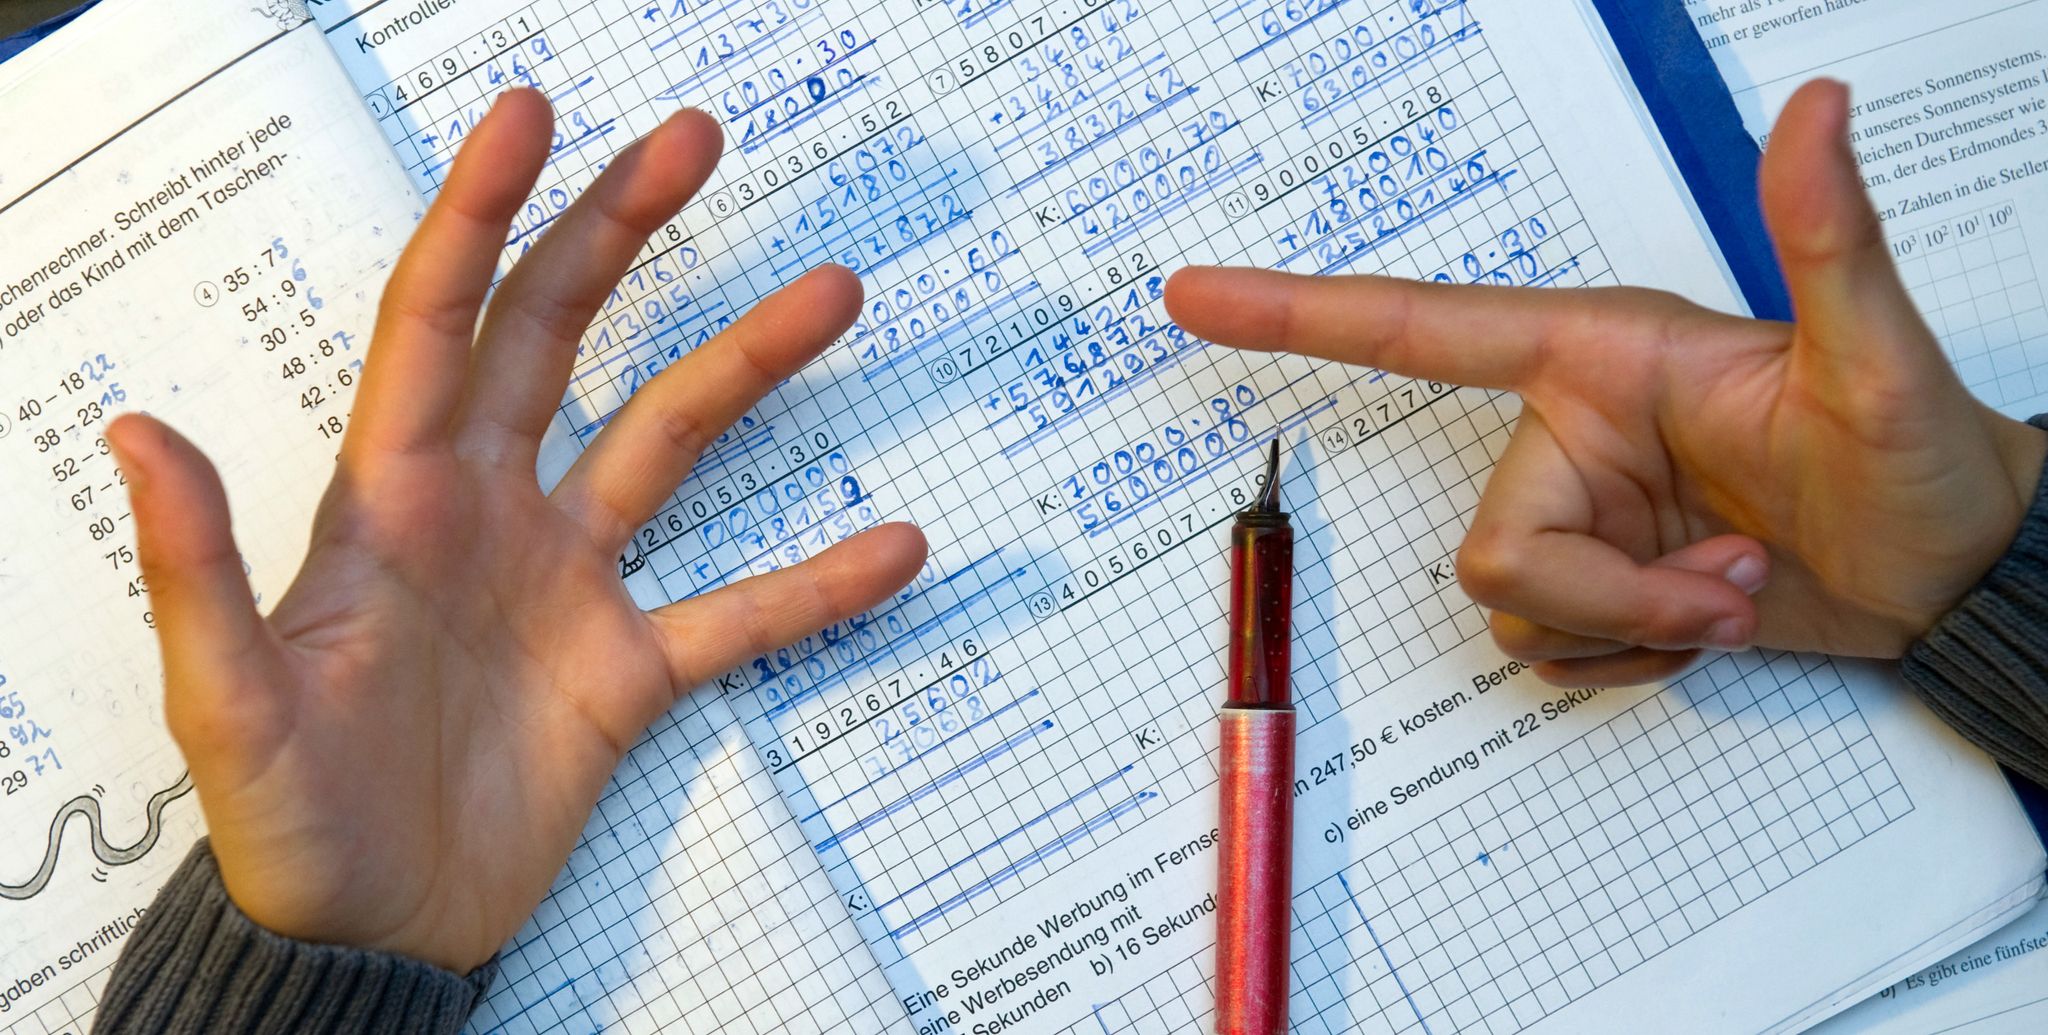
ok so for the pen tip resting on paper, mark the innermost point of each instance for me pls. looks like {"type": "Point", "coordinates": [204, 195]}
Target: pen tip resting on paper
{"type": "Point", "coordinates": [1269, 501]}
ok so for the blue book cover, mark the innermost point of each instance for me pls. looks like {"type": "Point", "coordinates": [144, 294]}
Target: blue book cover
{"type": "Point", "coordinates": [1696, 115]}
{"type": "Point", "coordinates": [26, 38]}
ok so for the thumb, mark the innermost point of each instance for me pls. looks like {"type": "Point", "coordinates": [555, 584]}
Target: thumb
{"type": "Point", "coordinates": [1831, 242]}
{"type": "Point", "coordinates": [207, 626]}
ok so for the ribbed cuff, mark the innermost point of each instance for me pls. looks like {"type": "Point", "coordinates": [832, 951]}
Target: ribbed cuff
{"type": "Point", "coordinates": [1984, 666]}
{"type": "Point", "coordinates": [197, 964]}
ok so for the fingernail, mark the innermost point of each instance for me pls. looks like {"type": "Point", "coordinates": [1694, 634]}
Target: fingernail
{"type": "Point", "coordinates": [1727, 634]}
{"type": "Point", "coordinates": [1748, 574]}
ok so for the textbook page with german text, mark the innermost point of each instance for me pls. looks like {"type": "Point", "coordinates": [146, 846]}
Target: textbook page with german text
{"type": "Point", "coordinates": [196, 219]}
{"type": "Point", "coordinates": [187, 204]}
{"type": "Point", "coordinates": [1951, 124]}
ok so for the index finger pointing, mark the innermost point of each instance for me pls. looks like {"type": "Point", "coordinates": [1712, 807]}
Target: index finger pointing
{"type": "Point", "coordinates": [1488, 337]}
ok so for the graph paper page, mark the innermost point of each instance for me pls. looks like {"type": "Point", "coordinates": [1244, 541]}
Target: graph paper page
{"type": "Point", "coordinates": [1951, 124]}
{"type": "Point", "coordinates": [169, 170]}
{"type": "Point", "coordinates": [1008, 771]}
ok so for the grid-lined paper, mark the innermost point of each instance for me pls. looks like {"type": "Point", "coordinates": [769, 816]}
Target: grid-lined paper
{"type": "Point", "coordinates": [956, 747]}
{"type": "Point", "coordinates": [1013, 182]}
{"type": "Point", "coordinates": [1974, 281]}
{"type": "Point", "coordinates": [1570, 872]}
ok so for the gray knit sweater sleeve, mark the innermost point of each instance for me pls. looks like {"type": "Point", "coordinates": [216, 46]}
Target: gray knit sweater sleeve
{"type": "Point", "coordinates": [197, 964]}
{"type": "Point", "coordinates": [1984, 666]}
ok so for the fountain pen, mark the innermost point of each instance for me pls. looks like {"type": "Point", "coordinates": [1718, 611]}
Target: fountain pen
{"type": "Point", "coordinates": [1256, 857]}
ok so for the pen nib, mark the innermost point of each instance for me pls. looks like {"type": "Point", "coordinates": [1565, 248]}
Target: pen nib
{"type": "Point", "coordinates": [1269, 501]}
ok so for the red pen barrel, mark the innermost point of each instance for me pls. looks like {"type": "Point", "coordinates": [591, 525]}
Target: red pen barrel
{"type": "Point", "coordinates": [1255, 860]}
{"type": "Point", "coordinates": [1261, 610]}
{"type": "Point", "coordinates": [1255, 870]}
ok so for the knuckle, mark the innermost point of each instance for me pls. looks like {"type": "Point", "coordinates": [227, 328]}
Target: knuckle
{"type": "Point", "coordinates": [779, 609]}
{"type": "Point", "coordinates": [1508, 630]}
{"type": "Point", "coordinates": [219, 717]}
{"type": "Point", "coordinates": [631, 215]}
{"type": "Point", "coordinates": [763, 375]}
{"type": "Point", "coordinates": [1827, 234]}
{"type": "Point", "coordinates": [1569, 674]}
{"type": "Point", "coordinates": [1521, 654]}
{"type": "Point", "coordinates": [810, 604]}
{"type": "Point", "coordinates": [1648, 299]}
{"type": "Point", "coordinates": [477, 207]}
{"type": "Point", "coordinates": [1661, 625]}
{"type": "Point", "coordinates": [1518, 638]}
{"type": "Point", "coordinates": [1668, 666]}
{"type": "Point", "coordinates": [559, 316]}
{"type": "Point", "coordinates": [677, 427]}
{"type": "Point", "coordinates": [740, 345]}
{"type": "Point", "coordinates": [452, 318]}
{"type": "Point", "coordinates": [1400, 321]}
{"type": "Point", "coordinates": [1632, 300]}
{"type": "Point", "coordinates": [1487, 568]}
{"type": "Point", "coordinates": [606, 519]}
{"type": "Point", "coordinates": [1288, 319]}
{"type": "Point", "coordinates": [197, 730]}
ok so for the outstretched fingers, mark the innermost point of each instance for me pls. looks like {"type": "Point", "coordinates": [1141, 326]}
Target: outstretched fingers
{"type": "Point", "coordinates": [419, 354]}
{"type": "Point", "coordinates": [710, 634]}
{"type": "Point", "coordinates": [529, 336]}
{"type": "Point", "coordinates": [650, 446]}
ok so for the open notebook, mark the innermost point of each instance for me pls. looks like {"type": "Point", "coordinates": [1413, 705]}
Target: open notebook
{"type": "Point", "coordinates": [987, 806]}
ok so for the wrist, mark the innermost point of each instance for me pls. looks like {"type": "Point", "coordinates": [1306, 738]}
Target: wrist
{"type": "Point", "coordinates": [444, 946]}
{"type": "Point", "coordinates": [197, 958]}
{"type": "Point", "coordinates": [2023, 450]}
{"type": "Point", "coordinates": [1937, 574]}
{"type": "Point", "coordinates": [374, 909]}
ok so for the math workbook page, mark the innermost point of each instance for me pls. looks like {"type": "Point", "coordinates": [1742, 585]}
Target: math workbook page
{"type": "Point", "coordinates": [194, 221]}
{"type": "Point", "coordinates": [1008, 772]}
{"type": "Point", "coordinates": [1951, 124]}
